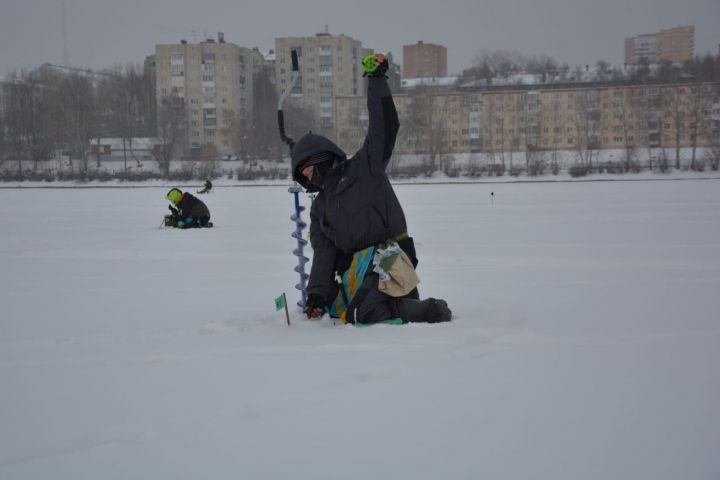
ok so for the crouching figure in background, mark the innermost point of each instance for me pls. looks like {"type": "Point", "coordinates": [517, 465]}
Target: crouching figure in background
{"type": "Point", "coordinates": [186, 210]}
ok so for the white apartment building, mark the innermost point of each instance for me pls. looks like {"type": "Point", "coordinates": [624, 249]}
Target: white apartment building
{"type": "Point", "coordinates": [212, 81]}
{"type": "Point", "coordinates": [329, 67]}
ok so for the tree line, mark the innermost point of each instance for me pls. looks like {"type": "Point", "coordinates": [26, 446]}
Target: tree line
{"type": "Point", "coordinates": [55, 109]}
{"type": "Point", "coordinates": [502, 64]}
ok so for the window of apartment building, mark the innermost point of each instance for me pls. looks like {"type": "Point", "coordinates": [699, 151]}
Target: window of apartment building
{"type": "Point", "coordinates": [208, 72]}
{"type": "Point", "coordinates": [209, 132]}
{"type": "Point", "coordinates": [209, 96]}
{"type": "Point", "coordinates": [195, 133]}
{"type": "Point", "coordinates": [177, 64]}
{"type": "Point", "coordinates": [570, 141]}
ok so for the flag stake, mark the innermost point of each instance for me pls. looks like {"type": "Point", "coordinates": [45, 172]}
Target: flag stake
{"type": "Point", "coordinates": [287, 314]}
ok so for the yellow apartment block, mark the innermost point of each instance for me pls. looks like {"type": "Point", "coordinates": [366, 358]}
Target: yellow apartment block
{"type": "Point", "coordinates": [548, 118]}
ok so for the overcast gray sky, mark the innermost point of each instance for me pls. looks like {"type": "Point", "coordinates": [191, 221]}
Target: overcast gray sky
{"type": "Point", "coordinates": [101, 33]}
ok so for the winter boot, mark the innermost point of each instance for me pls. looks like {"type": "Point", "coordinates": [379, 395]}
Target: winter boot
{"type": "Point", "coordinates": [430, 310]}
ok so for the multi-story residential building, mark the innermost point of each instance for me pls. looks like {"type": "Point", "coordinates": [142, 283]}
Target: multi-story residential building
{"type": "Point", "coordinates": [545, 118]}
{"type": "Point", "coordinates": [211, 83]}
{"type": "Point", "coordinates": [329, 67]}
{"type": "Point", "coordinates": [424, 60]}
{"type": "Point", "coordinates": [673, 44]}
{"type": "Point", "coordinates": [676, 44]}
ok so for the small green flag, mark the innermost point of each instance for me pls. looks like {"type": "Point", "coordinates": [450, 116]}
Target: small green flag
{"type": "Point", "coordinates": [280, 302]}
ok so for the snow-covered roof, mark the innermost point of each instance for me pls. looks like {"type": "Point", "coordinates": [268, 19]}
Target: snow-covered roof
{"type": "Point", "coordinates": [519, 79]}
{"type": "Point", "coordinates": [428, 82]}
{"type": "Point", "coordinates": [137, 143]}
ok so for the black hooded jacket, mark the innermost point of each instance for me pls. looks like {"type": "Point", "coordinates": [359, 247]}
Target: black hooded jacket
{"type": "Point", "coordinates": [356, 207]}
{"type": "Point", "coordinates": [192, 207]}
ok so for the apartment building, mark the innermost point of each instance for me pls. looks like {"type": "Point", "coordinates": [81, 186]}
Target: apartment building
{"type": "Point", "coordinates": [676, 44]}
{"type": "Point", "coordinates": [329, 68]}
{"type": "Point", "coordinates": [423, 60]}
{"type": "Point", "coordinates": [546, 118]}
{"type": "Point", "coordinates": [673, 44]}
{"type": "Point", "coordinates": [211, 84]}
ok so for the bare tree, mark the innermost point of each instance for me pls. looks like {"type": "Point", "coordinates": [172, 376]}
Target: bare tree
{"type": "Point", "coordinates": [503, 63]}
{"type": "Point", "coordinates": [169, 131]}
{"type": "Point", "coordinates": [587, 121]}
{"type": "Point", "coordinates": [28, 115]}
{"type": "Point", "coordinates": [426, 126]}
{"type": "Point", "coordinates": [628, 113]}
{"type": "Point", "coordinates": [699, 104]}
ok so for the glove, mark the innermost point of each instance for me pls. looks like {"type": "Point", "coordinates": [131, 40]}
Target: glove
{"type": "Point", "coordinates": [375, 65]}
{"type": "Point", "coordinates": [173, 210]}
{"type": "Point", "coordinates": [315, 306]}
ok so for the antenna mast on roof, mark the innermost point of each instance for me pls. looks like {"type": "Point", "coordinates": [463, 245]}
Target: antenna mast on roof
{"type": "Point", "coordinates": [66, 55]}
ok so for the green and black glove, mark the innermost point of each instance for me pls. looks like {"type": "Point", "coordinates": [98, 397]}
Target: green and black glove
{"type": "Point", "coordinates": [375, 65]}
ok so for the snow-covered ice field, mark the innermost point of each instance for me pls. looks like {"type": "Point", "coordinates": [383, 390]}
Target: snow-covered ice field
{"type": "Point", "coordinates": [586, 343]}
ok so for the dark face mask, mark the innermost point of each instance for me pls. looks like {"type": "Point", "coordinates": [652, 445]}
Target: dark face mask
{"type": "Point", "coordinates": [320, 172]}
